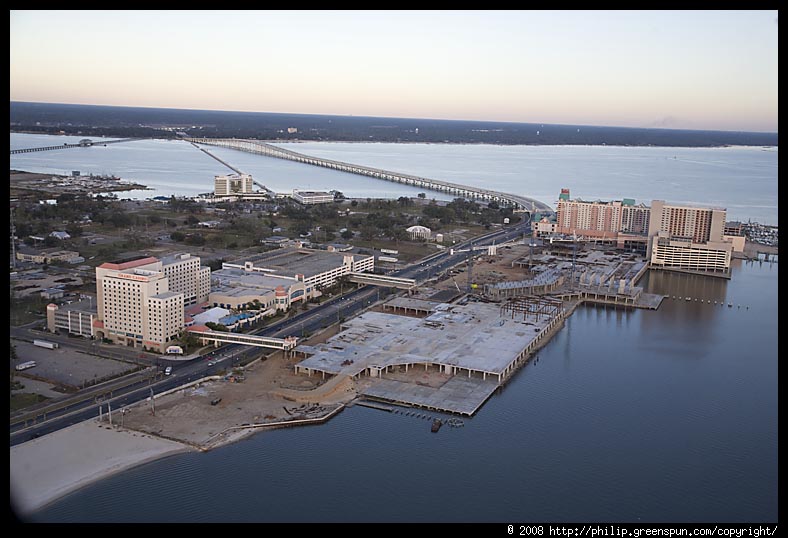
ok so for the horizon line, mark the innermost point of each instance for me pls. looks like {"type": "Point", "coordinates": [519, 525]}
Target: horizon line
{"type": "Point", "coordinates": [395, 117]}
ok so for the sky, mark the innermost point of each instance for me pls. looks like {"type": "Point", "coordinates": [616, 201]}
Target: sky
{"type": "Point", "coordinates": [674, 69]}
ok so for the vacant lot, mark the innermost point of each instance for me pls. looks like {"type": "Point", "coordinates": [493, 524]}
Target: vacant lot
{"type": "Point", "coordinates": [66, 366]}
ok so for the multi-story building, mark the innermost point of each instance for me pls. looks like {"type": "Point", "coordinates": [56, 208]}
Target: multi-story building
{"type": "Point", "coordinates": [47, 255]}
{"type": "Point", "coordinates": [74, 318]}
{"type": "Point", "coordinates": [688, 238]}
{"type": "Point", "coordinates": [733, 228]}
{"type": "Point", "coordinates": [237, 288]}
{"type": "Point", "coordinates": [619, 220]}
{"type": "Point", "coordinates": [187, 276]}
{"type": "Point", "coordinates": [140, 301]}
{"type": "Point", "coordinates": [233, 185]}
{"type": "Point", "coordinates": [313, 267]}
{"type": "Point", "coordinates": [634, 218]}
{"type": "Point", "coordinates": [699, 224]}
{"type": "Point", "coordinates": [312, 197]}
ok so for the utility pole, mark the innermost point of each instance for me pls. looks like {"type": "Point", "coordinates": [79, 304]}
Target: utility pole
{"type": "Point", "coordinates": [152, 403]}
{"type": "Point", "coordinates": [13, 241]}
{"type": "Point", "coordinates": [574, 254]}
{"type": "Point", "coordinates": [470, 267]}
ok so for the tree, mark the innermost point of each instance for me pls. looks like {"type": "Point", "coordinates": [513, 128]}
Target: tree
{"type": "Point", "coordinates": [347, 234]}
{"type": "Point", "coordinates": [354, 203]}
{"type": "Point", "coordinates": [177, 236]}
{"type": "Point", "coordinates": [422, 195]}
{"type": "Point", "coordinates": [13, 360]}
{"type": "Point", "coordinates": [194, 239]}
{"type": "Point", "coordinates": [74, 230]}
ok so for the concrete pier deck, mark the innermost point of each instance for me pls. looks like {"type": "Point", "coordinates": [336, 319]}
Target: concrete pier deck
{"type": "Point", "coordinates": [459, 395]}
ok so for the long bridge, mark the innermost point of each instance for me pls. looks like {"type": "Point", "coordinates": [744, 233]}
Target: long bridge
{"type": "Point", "coordinates": [269, 150]}
{"type": "Point", "coordinates": [85, 143]}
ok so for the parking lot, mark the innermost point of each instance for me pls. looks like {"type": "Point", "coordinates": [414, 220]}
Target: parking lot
{"type": "Point", "coordinates": [65, 366]}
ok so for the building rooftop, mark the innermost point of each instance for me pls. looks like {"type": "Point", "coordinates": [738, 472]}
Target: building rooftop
{"type": "Point", "coordinates": [474, 336]}
{"type": "Point", "coordinates": [129, 263]}
{"type": "Point", "coordinates": [166, 295]}
{"type": "Point", "coordinates": [312, 193]}
{"type": "Point", "coordinates": [177, 257]}
{"type": "Point", "coordinates": [293, 261]}
{"type": "Point", "coordinates": [229, 279]}
{"type": "Point", "coordinates": [212, 315]}
{"type": "Point", "coordinates": [84, 305]}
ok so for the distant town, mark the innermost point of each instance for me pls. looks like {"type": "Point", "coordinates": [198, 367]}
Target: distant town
{"type": "Point", "coordinates": [108, 121]}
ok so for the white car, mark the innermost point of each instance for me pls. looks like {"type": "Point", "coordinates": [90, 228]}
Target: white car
{"type": "Point", "coordinates": [168, 370]}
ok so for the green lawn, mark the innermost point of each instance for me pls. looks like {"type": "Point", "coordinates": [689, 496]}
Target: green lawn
{"type": "Point", "coordinates": [22, 400]}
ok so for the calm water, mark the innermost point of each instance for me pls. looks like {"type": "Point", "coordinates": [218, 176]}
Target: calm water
{"type": "Point", "coordinates": [628, 416]}
{"type": "Point", "coordinates": [742, 179]}
{"type": "Point", "coordinates": [667, 415]}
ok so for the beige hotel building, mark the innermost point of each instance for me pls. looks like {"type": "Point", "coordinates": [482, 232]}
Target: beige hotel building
{"type": "Point", "coordinates": [689, 239]}
{"type": "Point", "coordinates": [677, 237]}
{"type": "Point", "coordinates": [141, 301]}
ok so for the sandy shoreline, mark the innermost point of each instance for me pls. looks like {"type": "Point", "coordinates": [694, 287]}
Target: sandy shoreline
{"type": "Point", "coordinates": [45, 469]}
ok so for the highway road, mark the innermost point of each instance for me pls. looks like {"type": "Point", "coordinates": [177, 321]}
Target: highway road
{"type": "Point", "coordinates": [128, 390]}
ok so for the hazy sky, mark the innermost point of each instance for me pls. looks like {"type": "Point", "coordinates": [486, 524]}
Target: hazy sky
{"type": "Point", "coordinates": [677, 69]}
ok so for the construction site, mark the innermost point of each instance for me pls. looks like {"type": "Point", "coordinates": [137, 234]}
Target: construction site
{"type": "Point", "coordinates": [445, 348]}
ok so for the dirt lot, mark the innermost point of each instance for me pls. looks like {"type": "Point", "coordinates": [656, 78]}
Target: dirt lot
{"type": "Point", "coordinates": [270, 393]}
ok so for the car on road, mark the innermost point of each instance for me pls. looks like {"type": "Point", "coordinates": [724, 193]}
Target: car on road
{"type": "Point", "coordinates": [211, 363]}
{"type": "Point", "coordinates": [168, 370]}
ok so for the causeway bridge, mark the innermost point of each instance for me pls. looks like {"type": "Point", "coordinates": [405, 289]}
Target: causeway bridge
{"type": "Point", "coordinates": [261, 148]}
{"type": "Point", "coordinates": [86, 143]}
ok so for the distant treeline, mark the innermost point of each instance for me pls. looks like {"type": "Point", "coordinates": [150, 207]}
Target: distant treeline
{"type": "Point", "coordinates": [88, 120]}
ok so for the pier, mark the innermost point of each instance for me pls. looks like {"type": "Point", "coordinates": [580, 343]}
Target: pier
{"type": "Point", "coordinates": [86, 143]}
{"type": "Point", "coordinates": [261, 148]}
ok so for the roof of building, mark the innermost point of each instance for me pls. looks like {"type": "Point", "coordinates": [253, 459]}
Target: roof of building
{"type": "Point", "coordinates": [177, 257]}
{"type": "Point", "coordinates": [225, 280]}
{"type": "Point", "coordinates": [312, 193]}
{"type": "Point", "coordinates": [293, 261]}
{"type": "Point", "coordinates": [51, 291]}
{"type": "Point", "coordinates": [193, 310]}
{"type": "Point", "coordinates": [166, 295]}
{"type": "Point", "coordinates": [122, 265]}
{"type": "Point", "coordinates": [212, 315]}
{"type": "Point", "coordinates": [418, 229]}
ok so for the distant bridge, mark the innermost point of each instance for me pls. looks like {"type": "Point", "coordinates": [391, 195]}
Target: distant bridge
{"type": "Point", "coordinates": [86, 143]}
{"type": "Point", "coordinates": [261, 148]}
{"type": "Point", "coordinates": [383, 280]}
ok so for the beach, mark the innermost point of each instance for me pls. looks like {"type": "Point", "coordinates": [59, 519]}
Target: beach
{"type": "Point", "coordinates": [45, 469]}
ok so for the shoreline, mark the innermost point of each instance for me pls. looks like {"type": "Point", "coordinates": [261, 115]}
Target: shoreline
{"type": "Point", "coordinates": [41, 473]}
{"type": "Point", "coordinates": [439, 143]}
{"type": "Point", "coordinates": [38, 496]}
